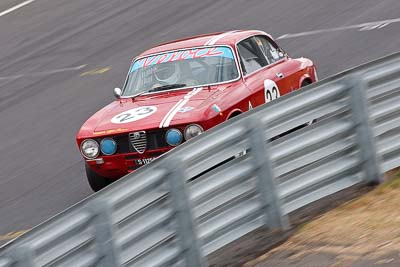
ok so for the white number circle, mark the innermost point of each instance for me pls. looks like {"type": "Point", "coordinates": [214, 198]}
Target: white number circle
{"type": "Point", "coordinates": [271, 90]}
{"type": "Point", "coordinates": [134, 114]}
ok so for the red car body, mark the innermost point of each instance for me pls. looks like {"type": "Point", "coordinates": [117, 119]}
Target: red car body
{"type": "Point", "coordinates": [207, 105]}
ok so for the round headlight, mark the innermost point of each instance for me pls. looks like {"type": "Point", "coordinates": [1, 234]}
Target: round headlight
{"type": "Point", "coordinates": [90, 148]}
{"type": "Point", "coordinates": [173, 137]}
{"type": "Point", "coordinates": [193, 130]}
{"type": "Point", "coordinates": [108, 146]}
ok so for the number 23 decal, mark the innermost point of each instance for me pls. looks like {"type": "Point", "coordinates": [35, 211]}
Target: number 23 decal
{"type": "Point", "coordinates": [271, 90]}
{"type": "Point", "coordinates": [134, 114]}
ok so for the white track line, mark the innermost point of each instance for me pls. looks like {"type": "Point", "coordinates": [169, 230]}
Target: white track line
{"type": "Point", "coordinates": [361, 27]}
{"type": "Point", "coordinates": [41, 73]}
{"type": "Point", "coordinates": [5, 12]}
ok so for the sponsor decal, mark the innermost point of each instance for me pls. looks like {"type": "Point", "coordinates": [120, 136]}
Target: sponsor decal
{"type": "Point", "coordinates": [182, 55]}
{"type": "Point", "coordinates": [134, 114]}
{"type": "Point", "coordinates": [185, 109]}
{"type": "Point", "coordinates": [216, 109]}
{"type": "Point", "coordinates": [172, 112]}
{"type": "Point", "coordinates": [271, 90]}
{"type": "Point", "coordinates": [119, 130]}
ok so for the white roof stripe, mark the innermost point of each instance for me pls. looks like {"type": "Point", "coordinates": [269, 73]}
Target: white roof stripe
{"type": "Point", "coordinates": [213, 40]}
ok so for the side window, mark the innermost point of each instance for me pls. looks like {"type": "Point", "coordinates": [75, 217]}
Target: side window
{"type": "Point", "coordinates": [250, 56]}
{"type": "Point", "coordinates": [269, 48]}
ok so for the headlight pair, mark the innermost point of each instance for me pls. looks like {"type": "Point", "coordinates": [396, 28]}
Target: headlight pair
{"type": "Point", "coordinates": [174, 137]}
{"type": "Point", "coordinates": [91, 149]}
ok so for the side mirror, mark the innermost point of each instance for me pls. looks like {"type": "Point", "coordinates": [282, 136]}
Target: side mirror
{"type": "Point", "coordinates": [117, 93]}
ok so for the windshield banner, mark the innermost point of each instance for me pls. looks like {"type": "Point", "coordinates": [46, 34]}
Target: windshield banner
{"type": "Point", "coordinates": [182, 55]}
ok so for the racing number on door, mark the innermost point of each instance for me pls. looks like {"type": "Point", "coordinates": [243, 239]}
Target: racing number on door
{"type": "Point", "coordinates": [271, 90]}
{"type": "Point", "coordinates": [271, 94]}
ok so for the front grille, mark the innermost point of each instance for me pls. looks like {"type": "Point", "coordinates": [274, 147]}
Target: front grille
{"type": "Point", "coordinates": [138, 141]}
{"type": "Point", "coordinates": [154, 140]}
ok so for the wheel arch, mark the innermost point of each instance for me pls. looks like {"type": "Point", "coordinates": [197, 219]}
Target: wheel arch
{"type": "Point", "coordinates": [234, 113]}
{"type": "Point", "coordinates": [305, 80]}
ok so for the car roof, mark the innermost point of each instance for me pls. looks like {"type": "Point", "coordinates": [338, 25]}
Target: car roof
{"type": "Point", "coordinates": [219, 38]}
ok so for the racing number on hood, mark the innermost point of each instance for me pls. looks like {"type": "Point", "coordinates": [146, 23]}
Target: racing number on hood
{"type": "Point", "coordinates": [271, 90]}
{"type": "Point", "coordinates": [134, 114]}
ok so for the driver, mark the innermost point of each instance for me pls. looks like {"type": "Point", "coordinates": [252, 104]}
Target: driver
{"type": "Point", "coordinates": [173, 73]}
{"type": "Point", "coordinates": [167, 73]}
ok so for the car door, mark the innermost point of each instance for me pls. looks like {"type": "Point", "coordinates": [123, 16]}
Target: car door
{"type": "Point", "coordinates": [288, 69]}
{"type": "Point", "coordinates": [261, 75]}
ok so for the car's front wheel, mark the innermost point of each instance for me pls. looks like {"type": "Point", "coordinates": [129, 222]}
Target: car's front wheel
{"type": "Point", "coordinates": [96, 181]}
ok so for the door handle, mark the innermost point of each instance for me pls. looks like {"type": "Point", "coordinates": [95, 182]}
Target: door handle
{"type": "Point", "coordinates": [280, 75]}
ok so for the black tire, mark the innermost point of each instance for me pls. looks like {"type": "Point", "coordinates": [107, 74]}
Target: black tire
{"type": "Point", "coordinates": [96, 181]}
{"type": "Point", "coordinates": [305, 83]}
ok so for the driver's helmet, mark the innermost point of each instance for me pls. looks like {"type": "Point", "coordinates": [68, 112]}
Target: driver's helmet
{"type": "Point", "coordinates": [166, 72]}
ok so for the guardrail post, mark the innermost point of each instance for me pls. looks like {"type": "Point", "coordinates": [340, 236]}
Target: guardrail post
{"type": "Point", "coordinates": [186, 229]}
{"type": "Point", "coordinates": [104, 233]}
{"type": "Point", "coordinates": [22, 256]}
{"type": "Point", "coordinates": [364, 129]}
{"type": "Point", "coordinates": [260, 148]}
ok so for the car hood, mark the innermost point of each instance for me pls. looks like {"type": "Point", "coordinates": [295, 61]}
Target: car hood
{"type": "Point", "coordinates": [152, 111]}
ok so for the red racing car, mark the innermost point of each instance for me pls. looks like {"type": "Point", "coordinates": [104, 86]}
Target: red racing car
{"type": "Point", "coordinates": [177, 90]}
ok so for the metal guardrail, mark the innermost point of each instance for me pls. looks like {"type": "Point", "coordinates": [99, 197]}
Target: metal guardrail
{"type": "Point", "coordinates": [161, 216]}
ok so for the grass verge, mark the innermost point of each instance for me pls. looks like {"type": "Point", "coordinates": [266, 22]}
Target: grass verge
{"type": "Point", "coordinates": [366, 228]}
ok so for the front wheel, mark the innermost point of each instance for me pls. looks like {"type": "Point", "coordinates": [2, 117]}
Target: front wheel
{"type": "Point", "coordinates": [96, 181]}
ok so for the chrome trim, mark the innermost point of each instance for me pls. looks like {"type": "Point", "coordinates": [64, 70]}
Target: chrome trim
{"type": "Point", "coordinates": [266, 66]}
{"type": "Point", "coordinates": [192, 124]}
{"type": "Point", "coordinates": [138, 140]}
{"type": "Point", "coordinates": [177, 89]}
{"type": "Point", "coordinates": [86, 157]}
{"type": "Point", "coordinates": [98, 161]}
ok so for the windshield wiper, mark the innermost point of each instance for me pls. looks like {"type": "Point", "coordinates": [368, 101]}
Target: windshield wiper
{"type": "Point", "coordinates": [167, 87]}
{"type": "Point", "coordinates": [139, 94]}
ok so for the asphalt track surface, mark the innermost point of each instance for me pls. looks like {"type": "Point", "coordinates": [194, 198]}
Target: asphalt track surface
{"type": "Point", "coordinates": [60, 60]}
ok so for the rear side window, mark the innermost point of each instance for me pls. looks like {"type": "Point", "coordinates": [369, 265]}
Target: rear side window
{"type": "Point", "coordinates": [269, 49]}
{"type": "Point", "coordinates": [250, 55]}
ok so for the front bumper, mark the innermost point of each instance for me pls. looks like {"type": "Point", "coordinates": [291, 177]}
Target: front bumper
{"type": "Point", "coordinates": [115, 166]}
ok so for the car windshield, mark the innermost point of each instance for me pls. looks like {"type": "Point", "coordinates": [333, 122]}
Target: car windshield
{"type": "Point", "coordinates": [179, 69]}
